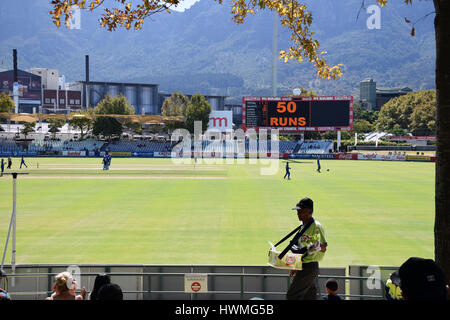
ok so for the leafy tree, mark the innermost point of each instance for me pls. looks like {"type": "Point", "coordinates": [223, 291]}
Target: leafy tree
{"type": "Point", "coordinates": [394, 114]}
{"type": "Point", "coordinates": [134, 126]}
{"type": "Point", "coordinates": [363, 126]}
{"type": "Point", "coordinates": [423, 118]}
{"type": "Point", "coordinates": [6, 103]}
{"type": "Point", "coordinates": [55, 124]}
{"type": "Point", "coordinates": [28, 127]}
{"type": "Point", "coordinates": [198, 110]}
{"type": "Point", "coordinates": [414, 112]}
{"type": "Point", "coordinates": [396, 131]}
{"type": "Point", "coordinates": [360, 113]}
{"type": "Point", "coordinates": [175, 105]}
{"type": "Point", "coordinates": [107, 126]}
{"type": "Point", "coordinates": [296, 17]}
{"type": "Point", "coordinates": [82, 123]}
{"type": "Point", "coordinates": [114, 105]}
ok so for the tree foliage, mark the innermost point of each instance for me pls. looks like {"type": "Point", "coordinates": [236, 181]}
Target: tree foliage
{"type": "Point", "coordinates": [28, 127]}
{"type": "Point", "coordinates": [363, 126]}
{"type": "Point", "coordinates": [107, 126]}
{"type": "Point", "coordinates": [414, 112]}
{"type": "Point", "coordinates": [114, 105]}
{"type": "Point", "coordinates": [360, 113]}
{"type": "Point", "coordinates": [6, 103]}
{"type": "Point", "coordinates": [294, 16]}
{"type": "Point", "coordinates": [82, 123]}
{"type": "Point", "coordinates": [198, 110]}
{"type": "Point", "coordinates": [175, 105]}
{"type": "Point", "coordinates": [55, 124]}
{"type": "Point", "coordinates": [423, 118]}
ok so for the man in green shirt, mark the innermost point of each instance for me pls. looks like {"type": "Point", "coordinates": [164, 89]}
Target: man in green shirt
{"type": "Point", "coordinates": [312, 245]}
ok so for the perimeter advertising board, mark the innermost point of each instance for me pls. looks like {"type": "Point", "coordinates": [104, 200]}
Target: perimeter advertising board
{"type": "Point", "coordinates": [221, 120]}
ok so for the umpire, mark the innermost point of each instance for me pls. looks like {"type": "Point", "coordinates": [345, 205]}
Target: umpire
{"type": "Point", "coordinates": [312, 245]}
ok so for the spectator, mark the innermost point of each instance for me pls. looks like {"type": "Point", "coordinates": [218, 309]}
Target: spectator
{"type": "Point", "coordinates": [83, 294]}
{"type": "Point", "coordinates": [3, 294]}
{"type": "Point", "coordinates": [100, 280]}
{"type": "Point", "coordinates": [312, 245]}
{"type": "Point", "coordinates": [422, 279]}
{"type": "Point", "coordinates": [64, 288]}
{"type": "Point", "coordinates": [110, 291]}
{"type": "Point", "coordinates": [392, 287]}
{"type": "Point", "coordinates": [332, 288]}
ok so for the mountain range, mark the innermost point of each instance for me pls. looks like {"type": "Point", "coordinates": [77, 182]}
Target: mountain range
{"type": "Point", "coordinates": [203, 50]}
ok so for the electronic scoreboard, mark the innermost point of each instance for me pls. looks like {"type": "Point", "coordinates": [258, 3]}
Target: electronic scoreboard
{"type": "Point", "coordinates": [295, 114]}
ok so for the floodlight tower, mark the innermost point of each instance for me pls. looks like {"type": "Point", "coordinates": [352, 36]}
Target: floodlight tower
{"type": "Point", "coordinates": [12, 225]}
{"type": "Point", "coordinates": [274, 54]}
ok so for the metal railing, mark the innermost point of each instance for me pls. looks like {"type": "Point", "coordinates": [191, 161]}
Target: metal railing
{"type": "Point", "coordinates": [193, 296]}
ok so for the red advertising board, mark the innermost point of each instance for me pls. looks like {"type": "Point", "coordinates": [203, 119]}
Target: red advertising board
{"type": "Point", "coordinates": [346, 156]}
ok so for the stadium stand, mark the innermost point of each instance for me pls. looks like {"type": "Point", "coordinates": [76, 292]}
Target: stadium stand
{"type": "Point", "coordinates": [9, 145]}
{"type": "Point", "coordinates": [65, 145]}
{"type": "Point", "coordinates": [315, 147]}
{"type": "Point", "coordinates": [233, 146]}
{"type": "Point", "coordinates": [145, 146]}
{"type": "Point", "coordinates": [138, 146]}
{"type": "Point", "coordinates": [287, 146]}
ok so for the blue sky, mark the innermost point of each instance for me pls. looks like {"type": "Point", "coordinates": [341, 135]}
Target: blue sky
{"type": "Point", "coordinates": [185, 4]}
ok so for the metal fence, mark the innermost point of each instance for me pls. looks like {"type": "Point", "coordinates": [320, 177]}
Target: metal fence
{"type": "Point", "coordinates": [162, 282]}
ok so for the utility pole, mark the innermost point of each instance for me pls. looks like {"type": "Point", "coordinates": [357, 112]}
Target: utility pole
{"type": "Point", "coordinates": [274, 54]}
{"type": "Point", "coordinates": [12, 225]}
{"type": "Point", "coordinates": [15, 82]}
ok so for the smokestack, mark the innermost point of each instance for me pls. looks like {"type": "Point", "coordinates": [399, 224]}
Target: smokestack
{"type": "Point", "coordinates": [15, 64]}
{"type": "Point", "coordinates": [15, 82]}
{"type": "Point", "coordinates": [87, 68]}
{"type": "Point", "coordinates": [87, 81]}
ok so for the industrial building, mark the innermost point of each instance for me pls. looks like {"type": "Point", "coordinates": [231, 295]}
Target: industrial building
{"type": "Point", "coordinates": [386, 94]}
{"type": "Point", "coordinates": [143, 97]}
{"type": "Point", "coordinates": [44, 90]}
{"type": "Point", "coordinates": [373, 98]}
{"type": "Point", "coordinates": [29, 89]}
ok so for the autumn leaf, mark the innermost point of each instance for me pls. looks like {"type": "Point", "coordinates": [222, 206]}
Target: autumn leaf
{"type": "Point", "coordinates": [294, 16]}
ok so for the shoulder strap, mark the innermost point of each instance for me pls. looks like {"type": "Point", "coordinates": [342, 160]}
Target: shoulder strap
{"type": "Point", "coordinates": [290, 234]}
{"type": "Point", "coordinates": [296, 238]}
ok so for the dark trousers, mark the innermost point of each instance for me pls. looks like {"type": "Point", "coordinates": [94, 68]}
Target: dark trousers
{"type": "Point", "coordinates": [303, 286]}
{"type": "Point", "coordinates": [288, 174]}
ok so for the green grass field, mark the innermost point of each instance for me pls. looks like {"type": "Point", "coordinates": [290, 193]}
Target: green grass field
{"type": "Point", "coordinates": [151, 211]}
